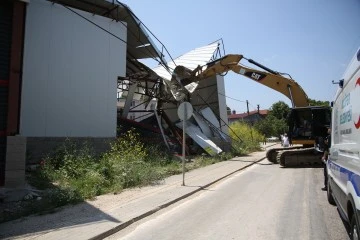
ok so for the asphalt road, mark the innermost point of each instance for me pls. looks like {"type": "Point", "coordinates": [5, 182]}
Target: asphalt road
{"type": "Point", "coordinates": [264, 201]}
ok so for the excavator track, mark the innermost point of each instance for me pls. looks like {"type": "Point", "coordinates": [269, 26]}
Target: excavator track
{"type": "Point", "coordinates": [299, 157]}
{"type": "Point", "coordinates": [272, 154]}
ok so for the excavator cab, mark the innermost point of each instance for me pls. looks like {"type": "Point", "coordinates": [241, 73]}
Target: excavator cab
{"type": "Point", "coordinates": [309, 124]}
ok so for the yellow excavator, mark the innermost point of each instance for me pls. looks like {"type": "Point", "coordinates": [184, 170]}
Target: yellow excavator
{"type": "Point", "coordinates": [307, 125]}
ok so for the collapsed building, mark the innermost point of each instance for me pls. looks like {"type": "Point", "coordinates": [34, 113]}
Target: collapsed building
{"type": "Point", "coordinates": [208, 125]}
{"type": "Point", "coordinates": [72, 70]}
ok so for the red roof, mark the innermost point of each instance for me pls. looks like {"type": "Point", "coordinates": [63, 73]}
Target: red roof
{"type": "Point", "coordinates": [245, 114]}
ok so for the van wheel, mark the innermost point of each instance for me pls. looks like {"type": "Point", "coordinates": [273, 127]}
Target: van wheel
{"type": "Point", "coordinates": [354, 228]}
{"type": "Point", "coordinates": [329, 194]}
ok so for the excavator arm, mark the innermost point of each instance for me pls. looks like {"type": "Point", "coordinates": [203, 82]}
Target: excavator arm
{"type": "Point", "coordinates": [270, 78]}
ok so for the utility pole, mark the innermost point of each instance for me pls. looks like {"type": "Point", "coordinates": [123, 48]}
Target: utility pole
{"type": "Point", "coordinates": [258, 107]}
{"type": "Point", "coordinates": [247, 106]}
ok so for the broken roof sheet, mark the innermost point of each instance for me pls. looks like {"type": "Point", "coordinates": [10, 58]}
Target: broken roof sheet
{"type": "Point", "coordinates": [192, 59]}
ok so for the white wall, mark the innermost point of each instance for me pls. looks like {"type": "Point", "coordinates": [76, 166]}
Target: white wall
{"type": "Point", "coordinates": [70, 72]}
{"type": "Point", "coordinates": [222, 103]}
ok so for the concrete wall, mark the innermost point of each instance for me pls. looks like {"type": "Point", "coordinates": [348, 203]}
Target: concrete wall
{"type": "Point", "coordinates": [209, 90]}
{"type": "Point", "coordinates": [39, 147]}
{"type": "Point", "coordinates": [222, 103]}
{"type": "Point", "coordinates": [70, 73]}
{"type": "Point", "coordinates": [15, 162]}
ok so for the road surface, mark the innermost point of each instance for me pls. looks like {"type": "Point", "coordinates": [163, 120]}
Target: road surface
{"type": "Point", "coordinates": [264, 201]}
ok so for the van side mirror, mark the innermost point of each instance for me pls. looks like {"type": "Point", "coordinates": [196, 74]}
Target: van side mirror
{"type": "Point", "coordinates": [332, 104]}
{"type": "Point", "coordinates": [340, 82]}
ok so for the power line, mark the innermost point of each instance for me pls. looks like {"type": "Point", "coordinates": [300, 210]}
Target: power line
{"type": "Point", "coordinates": [252, 106]}
{"type": "Point", "coordinates": [238, 100]}
{"type": "Point", "coordinates": [148, 30]}
{"type": "Point", "coordinates": [149, 54]}
{"type": "Point", "coordinates": [231, 97]}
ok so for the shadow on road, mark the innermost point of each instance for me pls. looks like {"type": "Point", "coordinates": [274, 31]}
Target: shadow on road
{"type": "Point", "coordinates": [346, 224]}
{"type": "Point", "coordinates": [265, 164]}
{"type": "Point", "coordinates": [80, 214]}
{"type": "Point", "coordinates": [301, 166]}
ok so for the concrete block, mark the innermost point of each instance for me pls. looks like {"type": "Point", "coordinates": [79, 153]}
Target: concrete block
{"type": "Point", "coordinates": [16, 140]}
{"type": "Point", "coordinates": [15, 162]}
{"type": "Point", "coordinates": [14, 178]}
{"type": "Point", "coordinates": [21, 148]}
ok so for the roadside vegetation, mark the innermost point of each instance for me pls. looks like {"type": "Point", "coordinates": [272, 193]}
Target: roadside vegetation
{"type": "Point", "coordinates": [245, 138]}
{"type": "Point", "coordinates": [77, 174]}
{"type": "Point", "coordinates": [73, 173]}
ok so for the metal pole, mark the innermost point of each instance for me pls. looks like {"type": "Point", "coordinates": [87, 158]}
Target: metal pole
{"type": "Point", "coordinates": [161, 129]}
{"type": "Point", "coordinates": [247, 106]}
{"type": "Point", "coordinates": [183, 147]}
{"type": "Point", "coordinates": [291, 96]}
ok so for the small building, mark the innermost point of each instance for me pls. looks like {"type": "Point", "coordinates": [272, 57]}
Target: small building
{"type": "Point", "coordinates": [251, 117]}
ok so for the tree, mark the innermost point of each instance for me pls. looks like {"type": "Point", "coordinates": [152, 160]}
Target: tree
{"type": "Point", "coordinates": [313, 102]}
{"type": "Point", "coordinates": [275, 123]}
{"type": "Point", "coordinates": [271, 126]}
{"type": "Point", "coordinates": [279, 110]}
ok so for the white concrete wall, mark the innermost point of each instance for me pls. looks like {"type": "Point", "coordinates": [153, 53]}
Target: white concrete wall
{"type": "Point", "coordinates": [222, 104]}
{"type": "Point", "coordinates": [70, 72]}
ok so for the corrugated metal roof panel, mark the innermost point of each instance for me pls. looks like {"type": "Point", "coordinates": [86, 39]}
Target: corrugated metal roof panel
{"type": "Point", "coordinates": [192, 59]}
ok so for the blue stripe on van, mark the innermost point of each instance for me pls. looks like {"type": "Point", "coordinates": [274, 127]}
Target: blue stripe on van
{"type": "Point", "coordinates": [346, 175]}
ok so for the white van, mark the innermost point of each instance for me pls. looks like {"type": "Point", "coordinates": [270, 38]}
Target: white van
{"type": "Point", "coordinates": [343, 165]}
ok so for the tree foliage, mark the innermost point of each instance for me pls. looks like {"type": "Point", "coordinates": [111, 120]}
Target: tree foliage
{"type": "Point", "coordinates": [313, 102]}
{"type": "Point", "coordinates": [279, 110]}
{"type": "Point", "coordinates": [271, 126]}
{"type": "Point", "coordinates": [274, 123]}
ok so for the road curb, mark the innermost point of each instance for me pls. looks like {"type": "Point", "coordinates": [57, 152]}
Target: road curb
{"type": "Point", "coordinates": [154, 210]}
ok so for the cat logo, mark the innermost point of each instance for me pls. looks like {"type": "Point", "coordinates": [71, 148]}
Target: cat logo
{"type": "Point", "coordinates": [256, 76]}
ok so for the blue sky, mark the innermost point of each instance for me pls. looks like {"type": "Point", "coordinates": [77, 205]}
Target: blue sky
{"type": "Point", "coordinates": [312, 40]}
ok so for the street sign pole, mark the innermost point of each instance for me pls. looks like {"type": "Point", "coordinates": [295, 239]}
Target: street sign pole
{"type": "Point", "coordinates": [183, 147]}
{"type": "Point", "coordinates": [185, 112]}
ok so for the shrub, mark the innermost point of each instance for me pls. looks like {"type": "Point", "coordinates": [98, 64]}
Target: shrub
{"type": "Point", "coordinates": [129, 163]}
{"type": "Point", "coordinates": [249, 137]}
{"type": "Point", "coordinates": [76, 174]}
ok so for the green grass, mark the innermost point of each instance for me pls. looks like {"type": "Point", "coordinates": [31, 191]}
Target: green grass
{"type": "Point", "coordinates": [73, 173]}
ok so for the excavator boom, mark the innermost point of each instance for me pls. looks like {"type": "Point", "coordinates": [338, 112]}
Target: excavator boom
{"type": "Point", "coordinates": [286, 86]}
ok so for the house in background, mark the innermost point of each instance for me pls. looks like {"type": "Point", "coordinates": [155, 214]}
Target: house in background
{"type": "Point", "coordinates": [251, 117]}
